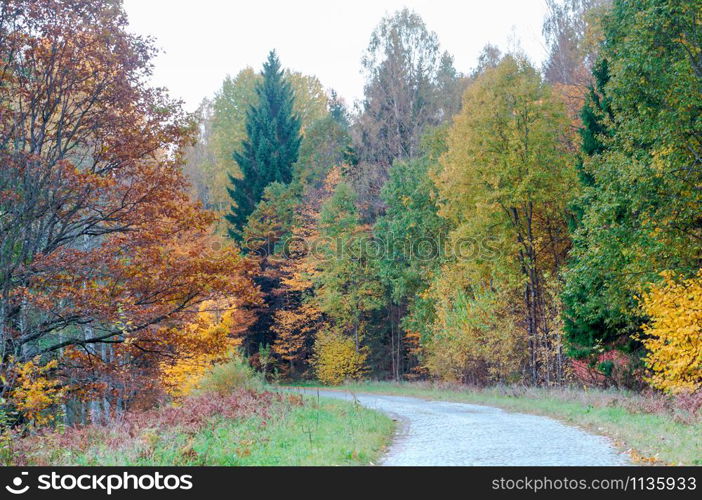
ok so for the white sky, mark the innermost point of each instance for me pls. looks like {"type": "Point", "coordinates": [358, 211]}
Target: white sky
{"type": "Point", "coordinates": [204, 40]}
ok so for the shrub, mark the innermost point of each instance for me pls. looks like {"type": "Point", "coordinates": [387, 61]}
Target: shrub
{"type": "Point", "coordinates": [230, 376]}
{"type": "Point", "coordinates": [134, 436]}
{"type": "Point", "coordinates": [336, 358]}
{"type": "Point", "coordinates": [608, 368]}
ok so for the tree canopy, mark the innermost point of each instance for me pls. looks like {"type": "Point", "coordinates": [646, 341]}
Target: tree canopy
{"type": "Point", "coordinates": [271, 146]}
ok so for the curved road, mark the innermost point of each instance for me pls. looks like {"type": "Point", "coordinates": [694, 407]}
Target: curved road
{"type": "Point", "coordinates": [443, 433]}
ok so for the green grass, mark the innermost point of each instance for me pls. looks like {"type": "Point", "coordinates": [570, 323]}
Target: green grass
{"type": "Point", "coordinates": [649, 437]}
{"type": "Point", "coordinates": [231, 419]}
{"type": "Point", "coordinates": [316, 433]}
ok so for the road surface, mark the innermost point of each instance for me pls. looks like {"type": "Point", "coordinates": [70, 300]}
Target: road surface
{"type": "Point", "coordinates": [443, 433]}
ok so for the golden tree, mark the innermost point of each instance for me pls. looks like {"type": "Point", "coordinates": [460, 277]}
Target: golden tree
{"type": "Point", "coordinates": [504, 185]}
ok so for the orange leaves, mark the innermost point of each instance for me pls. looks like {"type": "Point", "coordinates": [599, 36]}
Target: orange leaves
{"type": "Point", "coordinates": [573, 96]}
{"type": "Point", "coordinates": [294, 329]}
{"type": "Point", "coordinates": [296, 323]}
{"type": "Point", "coordinates": [105, 245]}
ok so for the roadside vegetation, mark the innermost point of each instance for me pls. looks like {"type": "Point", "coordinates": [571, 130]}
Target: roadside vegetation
{"type": "Point", "coordinates": [507, 224]}
{"type": "Point", "coordinates": [653, 428]}
{"type": "Point", "coordinates": [232, 420]}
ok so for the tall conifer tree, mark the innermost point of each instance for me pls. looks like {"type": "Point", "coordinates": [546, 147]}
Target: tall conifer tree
{"type": "Point", "coordinates": [271, 145]}
{"type": "Point", "coordinates": [588, 320]}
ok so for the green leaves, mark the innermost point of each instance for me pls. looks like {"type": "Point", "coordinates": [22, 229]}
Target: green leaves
{"type": "Point", "coordinates": [347, 289]}
{"type": "Point", "coordinates": [641, 169]}
{"type": "Point", "coordinates": [271, 147]}
{"type": "Point", "coordinates": [413, 237]}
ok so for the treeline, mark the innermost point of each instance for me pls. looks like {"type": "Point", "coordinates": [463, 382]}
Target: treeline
{"type": "Point", "coordinates": [511, 224]}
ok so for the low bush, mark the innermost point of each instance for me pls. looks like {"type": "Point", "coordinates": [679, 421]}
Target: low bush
{"type": "Point", "coordinates": [233, 375]}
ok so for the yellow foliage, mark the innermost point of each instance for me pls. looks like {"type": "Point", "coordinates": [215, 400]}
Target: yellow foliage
{"type": "Point", "coordinates": [200, 345]}
{"type": "Point", "coordinates": [35, 392]}
{"type": "Point", "coordinates": [674, 334]}
{"type": "Point", "coordinates": [503, 185]}
{"type": "Point", "coordinates": [476, 338]}
{"type": "Point", "coordinates": [336, 358]}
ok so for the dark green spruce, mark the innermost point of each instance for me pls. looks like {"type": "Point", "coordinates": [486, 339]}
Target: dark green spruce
{"type": "Point", "coordinates": [587, 319]}
{"type": "Point", "coordinates": [270, 148]}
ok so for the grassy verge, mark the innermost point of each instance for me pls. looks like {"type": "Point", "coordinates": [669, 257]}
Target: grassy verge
{"type": "Point", "coordinates": [243, 428]}
{"type": "Point", "coordinates": [644, 426]}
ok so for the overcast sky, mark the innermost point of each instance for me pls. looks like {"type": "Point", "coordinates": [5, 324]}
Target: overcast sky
{"type": "Point", "coordinates": [204, 40]}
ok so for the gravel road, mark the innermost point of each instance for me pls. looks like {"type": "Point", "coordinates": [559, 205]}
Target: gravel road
{"type": "Point", "coordinates": [442, 433]}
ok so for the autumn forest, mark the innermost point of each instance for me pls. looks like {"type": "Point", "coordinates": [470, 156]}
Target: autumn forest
{"type": "Point", "coordinates": [516, 224]}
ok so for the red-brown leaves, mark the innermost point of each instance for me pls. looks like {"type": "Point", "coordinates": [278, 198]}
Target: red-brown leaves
{"type": "Point", "coordinates": [99, 241]}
